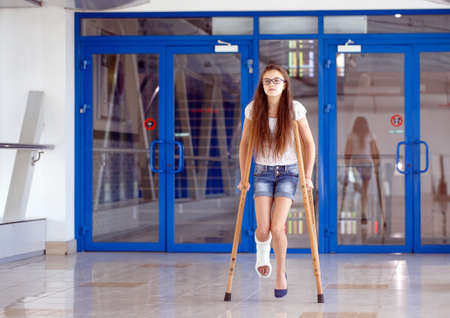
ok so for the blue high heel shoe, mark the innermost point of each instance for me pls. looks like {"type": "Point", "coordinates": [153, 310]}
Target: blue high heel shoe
{"type": "Point", "coordinates": [281, 292]}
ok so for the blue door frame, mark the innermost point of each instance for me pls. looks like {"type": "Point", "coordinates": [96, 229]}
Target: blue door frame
{"type": "Point", "coordinates": [166, 119]}
{"type": "Point", "coordinates": [413, 149]}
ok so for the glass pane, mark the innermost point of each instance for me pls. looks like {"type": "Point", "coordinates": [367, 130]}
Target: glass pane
{"type": "Point", "coordinates": [434, 129]}
{"type": "Point", "coordinates": [168, 26]}
{"type": "Point", "coordinates": [207, 122]}
{"type": "Point", "coordinates": [288, 25]}
{"type": "Point", "coordinates": [370, 104]}
{"type": "Point", "coordinates": [299, 57]}
{"type": "Point", "coordinates": [125, 192]}
{"type": "Point", "coordinates": [397, 23]}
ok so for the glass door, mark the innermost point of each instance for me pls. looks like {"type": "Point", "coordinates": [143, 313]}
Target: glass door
{"type": "Point", "coordinates": [126, 210]}
{"type": "Point", "coordinates": [370, 180]}
{"type": "Point", "coordinates": [208, 93]}
{"type": "Point", "coordinates": [432, 153]}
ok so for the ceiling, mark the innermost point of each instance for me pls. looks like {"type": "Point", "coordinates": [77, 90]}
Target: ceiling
{"type": "Point", "coordinates": [101, 4]}
{"type": "Point", "coordinates": [20, 3]}
{"type": "Point", "coordinates": [73, 4]}
{"type": "Point", "coordinates": [440, 1]}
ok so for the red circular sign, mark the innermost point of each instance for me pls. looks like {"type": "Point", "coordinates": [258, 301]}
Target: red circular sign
{"type": "Point", "coordinates": [150, 124]}
{"type": "Point", "coordinates": [396, 120]}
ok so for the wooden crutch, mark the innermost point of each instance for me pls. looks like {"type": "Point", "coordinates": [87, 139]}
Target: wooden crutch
{"type": "Point", "coordinates": [237, 230]}
{"type": "Point", "coordinates": [309, 212]}
{"type": "Point", "coordinates": [380, 197]}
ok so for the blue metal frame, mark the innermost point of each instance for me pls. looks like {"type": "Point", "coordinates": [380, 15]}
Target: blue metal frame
{"type": "Point", "coordinates": [326, 120]}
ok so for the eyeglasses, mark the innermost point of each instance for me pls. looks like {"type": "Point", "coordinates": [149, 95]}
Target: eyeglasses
{"type": "Point", "coordinates": [275, 81]}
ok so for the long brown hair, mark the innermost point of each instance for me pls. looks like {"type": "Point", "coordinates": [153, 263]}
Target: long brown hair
{"type": "Point", "coordinates": [260, 131]}
{"type": "Point", "coordinates": [361, 129]}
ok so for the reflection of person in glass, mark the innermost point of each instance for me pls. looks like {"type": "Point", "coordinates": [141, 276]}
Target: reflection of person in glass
{"type": "Point", "coordinates": [361, 153]}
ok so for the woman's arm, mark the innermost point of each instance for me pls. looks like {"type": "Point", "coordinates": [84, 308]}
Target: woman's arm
{"type": "Point", "coordinates": [243, 146]}
{"type": "Point", "coordinates": [310, 147]}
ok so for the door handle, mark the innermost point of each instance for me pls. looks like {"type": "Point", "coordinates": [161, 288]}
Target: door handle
{"type": "Point", "coordinates": [427, 161]}
{"type": "Point", "coordinates": [397, 158]}
{"type": "Point", "coordinates": [152, 152]}
{"type": "Point", "coordinates": [181, 158]}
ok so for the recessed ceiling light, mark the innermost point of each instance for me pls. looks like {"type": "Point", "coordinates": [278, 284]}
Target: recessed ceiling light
{"type": "Point", "coordinates": [397, 15]}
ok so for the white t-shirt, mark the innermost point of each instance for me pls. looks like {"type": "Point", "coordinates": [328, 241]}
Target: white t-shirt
{"type": "Point", "coordinates": [360, 150]}
{"type": "Point", "coordinates": [289, 156]}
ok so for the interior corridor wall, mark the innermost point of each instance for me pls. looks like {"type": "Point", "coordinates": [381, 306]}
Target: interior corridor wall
{"type": "Point", "coordinates": [37, 54]}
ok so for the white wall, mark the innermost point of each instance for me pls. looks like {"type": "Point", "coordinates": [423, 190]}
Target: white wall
{"type": "Point", "coordinates": [39, 56]}
{"type": "Point", "coordinates": [266, 5]}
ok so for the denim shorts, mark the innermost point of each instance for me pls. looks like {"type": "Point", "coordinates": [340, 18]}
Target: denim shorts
{"type": "Point", "coordinates": [275, 181]}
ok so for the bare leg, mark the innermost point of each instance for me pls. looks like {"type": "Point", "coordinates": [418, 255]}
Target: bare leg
{"type": "Point", "coordinates": [279, 217]}
{"type": "Point", "coordinates": [263, 206]}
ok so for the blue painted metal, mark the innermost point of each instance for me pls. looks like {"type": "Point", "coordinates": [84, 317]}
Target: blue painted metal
{"type": "Point", "coordinates": [329, 140]}
{"type": "Point", "coordinates": [427, 161]}
{"type": "Point", "coordinates": [79, 100]}
{"type": "Point", "coordinates": [397, 158]}
{"type": "Point", "coordinates": [415, 121]}
{"type": "Point", "coordinates": [323, 146]}
{"type": "Point", "coordinates": [152, 155]}
{"type": "Point", "coordinates": [181, 158]}
{"type": "Point", "coordinates": [409, 135]}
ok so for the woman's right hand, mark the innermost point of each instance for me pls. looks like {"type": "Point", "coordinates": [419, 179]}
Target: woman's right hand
{"type": "Point", "coordinates": [241, 186]}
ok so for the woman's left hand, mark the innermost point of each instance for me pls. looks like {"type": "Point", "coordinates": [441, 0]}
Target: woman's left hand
{"type": "Point", "coordinates": [309, 184]}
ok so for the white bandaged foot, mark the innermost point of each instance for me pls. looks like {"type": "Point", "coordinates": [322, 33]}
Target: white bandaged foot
{"type": "Point", "coordinates": [263, 255]}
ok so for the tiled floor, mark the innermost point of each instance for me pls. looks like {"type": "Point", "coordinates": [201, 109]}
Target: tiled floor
{"type": "Point", "coordinates": [193, 285]}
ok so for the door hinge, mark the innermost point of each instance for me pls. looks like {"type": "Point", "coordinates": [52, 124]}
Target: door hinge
{"type": "Point", "coordinates": [327, 63]}
{"type": "Point", "coordinates": [84, 65]}
{"type": "Point", "coordinates": [83, 231]}
{"type": "Point", "coordinates": [328, 108]}
{"type": "Point", "coordinates": [327, 233]}
{"type": "Point", "coordinates": [250, 66]}
{"type": "Point", "coordinates": [84, 108]}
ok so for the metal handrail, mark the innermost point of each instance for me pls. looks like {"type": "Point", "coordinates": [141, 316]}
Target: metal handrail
{"type": "Point", "coordinates": [25, 146]}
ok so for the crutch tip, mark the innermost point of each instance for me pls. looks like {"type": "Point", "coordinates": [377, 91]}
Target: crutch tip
{"type": "Point", "coordinates": [320, 299]}
{"type": "Point", "coordinates": [227, 297]}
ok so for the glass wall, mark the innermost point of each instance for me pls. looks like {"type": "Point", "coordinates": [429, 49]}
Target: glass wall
{"type": "Point", "coordinates": [208, 124]}
{"type": "Point", "coordinates": [434, 129]}
{"type": "Point", "coordinates": [396, 23]}
{"type": "Point", "coordinates": [167, 26]}
{"type": "Point", "coordinates": [371, 207]}
{"type": "Point", "coordinates": [125, 192]}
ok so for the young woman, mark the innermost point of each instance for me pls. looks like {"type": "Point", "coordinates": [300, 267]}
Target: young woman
{"type": "Point", "coordinates": [268, 119]}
